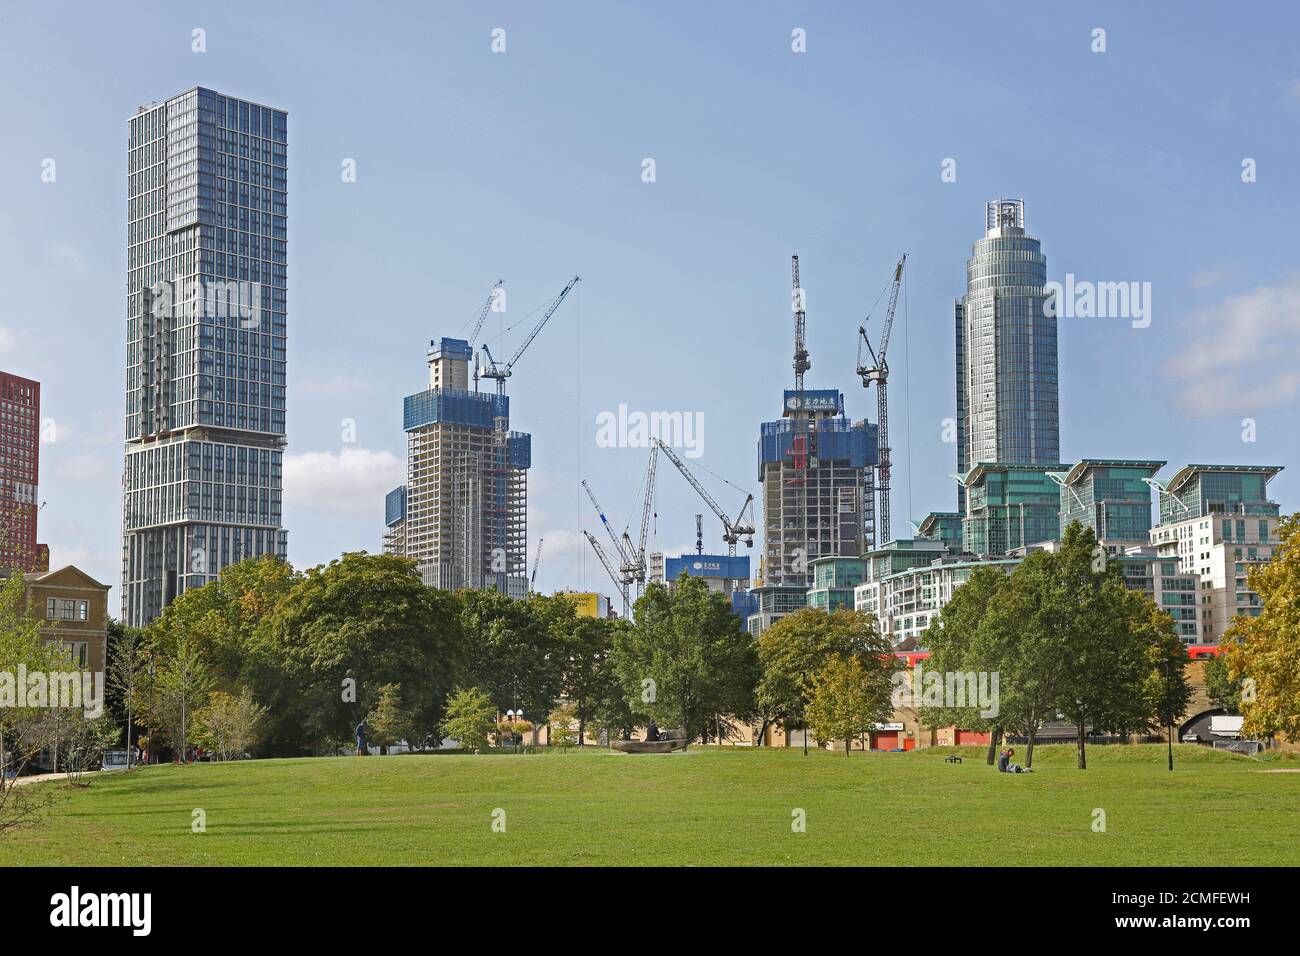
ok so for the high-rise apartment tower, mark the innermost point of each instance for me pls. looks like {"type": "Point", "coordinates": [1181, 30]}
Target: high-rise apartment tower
{"type": "Point", "coordinates": [205, 350]}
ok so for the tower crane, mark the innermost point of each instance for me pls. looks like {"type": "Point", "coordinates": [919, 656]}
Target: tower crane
{"type": "Point", "coordinates": [479, 320]}
{"type": "Point", "coordinates": [624, 555]}
{"type": "Point", "coordinates": [878, 371]}
{"type": "Point", "coordinates": [732, 531]}
{"type": "Point", "coordinates": [631, 554]}
{"type": "Point", "coordinates": [620, 581]}
{"type": "Point", "coordinates": [501, 373]}
{"type": "Point", "coordinates": [537, 563]}
{"type": "Point", "coordinates": [482, 313]}
{"type": "Point", "coordinates": [799, 445]}
{"type": "Point", "coordinates": [637, 566]}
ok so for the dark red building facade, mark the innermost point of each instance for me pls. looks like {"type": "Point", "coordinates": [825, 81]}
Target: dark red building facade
{"type": "Point", "coordinates": [20, 458]}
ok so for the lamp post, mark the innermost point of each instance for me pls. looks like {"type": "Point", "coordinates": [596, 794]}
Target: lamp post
{"type": "Point", "coordinates": [1169, 716]}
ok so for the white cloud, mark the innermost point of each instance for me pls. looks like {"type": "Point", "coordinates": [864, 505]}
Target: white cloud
{"type": "Point", "coordinates": [1244, 353]}
{"type": "Point", "coordinates": [1208, 277]}
{"type": "Point", "coordinates": [351, 482]}
{"type": "Point", "coordinates": [7, 340]}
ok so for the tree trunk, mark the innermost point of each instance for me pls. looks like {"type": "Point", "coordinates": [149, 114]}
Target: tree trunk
{"type": "Point", "coordinates": [848, 746]}
{"type": "Point", "coordinates": [994, 736]}
{"type": "Point", "coordinates": [1083, 760]}
{"type": "Point", "coordinates": [762, 733]}
{"type": "Point", "coordinates": [582, 722]}
{"type": "Point", "coordinates": [1029, 749]}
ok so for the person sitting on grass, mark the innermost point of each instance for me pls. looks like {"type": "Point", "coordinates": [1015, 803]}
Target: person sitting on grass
{"type": "Point", "coordinates": [1013, 767]}
{"type": "Point", "coordinates": [1004, 758]}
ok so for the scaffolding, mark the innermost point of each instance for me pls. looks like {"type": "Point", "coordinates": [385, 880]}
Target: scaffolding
{"type": "Point", "coordinates": [466, 521]}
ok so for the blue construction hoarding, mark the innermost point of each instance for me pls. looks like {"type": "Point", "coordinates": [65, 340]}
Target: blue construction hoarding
{"type": "Point", "coordinates": [395, 506]}
{"type": "Point", "coordinates": [454, 406]}
{"type": "Point", "coordinates": [833, 440]}
{"type": "Point", "coordinates": [708, 566]}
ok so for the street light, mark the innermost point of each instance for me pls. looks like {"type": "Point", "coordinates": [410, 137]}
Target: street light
{"type": "Point", "coordinates": [1169, 716]}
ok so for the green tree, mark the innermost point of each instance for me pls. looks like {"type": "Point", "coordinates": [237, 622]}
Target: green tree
{"type": "Point", "coordinates": [514, 648]}
{"type": "Point", "coordinates": [610, 714]}
{"type": "Point", "coordinates": [231, 622]}
{"type": "Point", "coordinates": [1264, 651]}
{"type": "Point", "coordinates": [686, 662]}
{"type": "Point", "coordinates": [390, 720]}
{"type": "Point", "coordinates": [1167, 690]}
{"type": "Point", "coordinates": [362, 621]}
{"type": "Point", "coordinates": [229, 726]}
{"type": "Point", "coordinates": [181, 689]}
{"type": "Point", "coordinates": [1223, 691]}
{"type": "Point", "coordinates": [850, 694]}
{"type": "Point", "coordinates": [470, 718]}
{"type": "Point", "coordinates": [587, 676]}
{"type": "Point", "coordinates": [1065, 637]}
{"type": "Point", "coordinates": [24, 723]}
{"type": "Point", "coordinates": [798, 647]}
{"type": "Point", "coordinates": [953, 641]}
{"type": "Point", "coordinates": [563, 725]}
{"type": "Point", "coordinates": [1023, 641]}
{"type": "Point", "coordinates": [127, 661]}
{"type": "Point", "coordinates": [83, 740]}
{"type": "Point", "coordinates": [1111, 632]}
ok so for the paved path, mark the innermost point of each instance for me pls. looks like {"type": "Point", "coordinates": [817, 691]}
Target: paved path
{"type": "Point", "coordinates": [38, 778]}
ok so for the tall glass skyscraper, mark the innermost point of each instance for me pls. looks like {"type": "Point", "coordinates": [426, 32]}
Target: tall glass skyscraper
{"type": "Point", "coordinates": [1007, 404]}
{"type": "Point", "coordinates": [205, 351]}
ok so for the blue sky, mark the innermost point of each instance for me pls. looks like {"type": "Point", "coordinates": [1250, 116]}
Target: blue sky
{"type": "Point", "coordinates": [526, 165]}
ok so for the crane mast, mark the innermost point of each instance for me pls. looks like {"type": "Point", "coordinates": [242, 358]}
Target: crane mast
{"type": "Point", "coordinates": [501, 373]}
{"type": "Point", "coordinates": [537, 563]}
{"type": "Point", "coordinates": [878, 371]}
{"type": "Point", "coordinates": [619, 582]}
{"type": "Point", "coordinates": [647, 508]}
{"type": "Point", "coordinates": [479, 320]}
{"type": "Point", "coordinates": [623, 555]}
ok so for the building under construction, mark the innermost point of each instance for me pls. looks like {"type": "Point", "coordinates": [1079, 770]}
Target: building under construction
{"type": "Point", "coordinates": [817, 471]}
{"type": "Point", "coordinates": [817, 499]}
{"type": "Point", "coordinates": [463, 513]}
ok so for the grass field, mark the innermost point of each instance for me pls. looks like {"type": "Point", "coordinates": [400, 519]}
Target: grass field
{"type": "Point", "coordinates": [703, 807]}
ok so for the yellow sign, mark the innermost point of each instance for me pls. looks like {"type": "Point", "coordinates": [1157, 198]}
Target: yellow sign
{"type": "Point", "coordinates": [587, 604]}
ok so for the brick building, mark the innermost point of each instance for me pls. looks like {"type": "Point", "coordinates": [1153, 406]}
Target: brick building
{"type": "Point", "coordinates": [20, 445]}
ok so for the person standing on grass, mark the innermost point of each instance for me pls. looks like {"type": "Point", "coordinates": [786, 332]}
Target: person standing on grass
{"type": "Point", "coordinates": [361, 739]}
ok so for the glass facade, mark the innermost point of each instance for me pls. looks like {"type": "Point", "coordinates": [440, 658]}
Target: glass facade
{"type": "Point", "coordinates": [1113, 498]}
{"type": "Point", "coordinates": [1007, 395]}
{"type": "Point", "coordinates": [1199, 490]}
{"type": "Point", "coordinates": [1010, 506]}
{"type": "Point", "coordinates": [206, 343]}
{"type": "Point", "coordinates": [944, 526]}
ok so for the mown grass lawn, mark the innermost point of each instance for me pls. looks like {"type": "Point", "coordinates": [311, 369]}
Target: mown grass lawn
{"type": "Point", "coordinates": [703, 807]}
